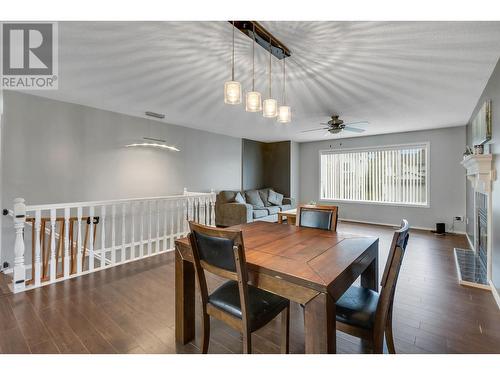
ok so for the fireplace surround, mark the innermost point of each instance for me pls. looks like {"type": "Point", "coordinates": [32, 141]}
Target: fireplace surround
{"type": "Point", "coordinates": [474, 265]}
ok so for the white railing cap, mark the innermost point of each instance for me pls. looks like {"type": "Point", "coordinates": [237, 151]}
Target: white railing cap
{"type": "Point", "coordinates": [115, 201]}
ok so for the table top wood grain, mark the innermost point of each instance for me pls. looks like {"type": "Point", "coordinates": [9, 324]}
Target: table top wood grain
{"type": "Point", "coordinates": [309, 257]}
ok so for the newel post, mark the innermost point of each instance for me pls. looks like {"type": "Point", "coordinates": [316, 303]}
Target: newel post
{"type": "Point", "coordinates": [19, 268]}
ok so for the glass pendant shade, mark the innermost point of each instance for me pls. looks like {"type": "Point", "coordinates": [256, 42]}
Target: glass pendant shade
{"type": "Point", "coordinates": [284, 114]}
{"type": "Point", "coordinates": [232, 92]}
{"type": "Point", "coordinates": [253, 102]}
{"type": "Point", "coordinates": [270, 108]}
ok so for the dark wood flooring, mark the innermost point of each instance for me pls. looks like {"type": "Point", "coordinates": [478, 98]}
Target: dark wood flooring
{"type": "Point", "coordinates": [130, 309]}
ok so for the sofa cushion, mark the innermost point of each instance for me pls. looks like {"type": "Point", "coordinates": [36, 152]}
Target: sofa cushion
{"type": "Point", "coordinates": [259, 213]}
{"type": "Point", "coordinates": [239, 198]}
{"type": "Point", "coordinates": [264, 194]}
{"type": "Point", "coordinates": [227, 196]}
{"type": "Point", "coordinates": [273, 210]}
{"type": "Point", "coordinates": [275, 198]}
{"type": "Point", "coordinates": [285, 207]}
{"type": "Point", "coordinates": [253, 198]}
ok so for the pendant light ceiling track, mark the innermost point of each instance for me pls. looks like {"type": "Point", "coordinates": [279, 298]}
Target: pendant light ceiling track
{"type": "Point", "coordinates": [263, 38]}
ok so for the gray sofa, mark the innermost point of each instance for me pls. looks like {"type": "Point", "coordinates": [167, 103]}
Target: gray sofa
{"type": "Point", "coordinates": [240, 207]}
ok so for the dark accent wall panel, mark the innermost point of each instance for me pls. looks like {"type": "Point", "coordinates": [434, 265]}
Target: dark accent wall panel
{"type": "Point", "coordinates": [277, 166]}
{"type": "Point", "coordinates": [266, 165]}
{"type": "Point", "coordinates": [252, 164]}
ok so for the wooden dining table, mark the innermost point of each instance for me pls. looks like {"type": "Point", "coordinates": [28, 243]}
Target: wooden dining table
{"type": "Point", "coordinates": [312, 267]}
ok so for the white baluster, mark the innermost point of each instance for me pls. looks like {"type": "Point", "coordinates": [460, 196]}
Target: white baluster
{"type": "Point", "coordinates": [165, 218]}
{"type": "Point", "coordinates": [179, 212]}
{"type": "Point", "coordinates": [212, 210]}
{"type": "Point", "coordinates": [132, 231]}
{"type": "Point", "coordinates": [66, 243]}
{"type": "Point", "coordinates": [141, 237]}
{"type": "Point", "coordinates": [113, 234]}
{"type": "Point", "coordinates": [149, 227]}
{"type": "Point", "coordinates": [19, 267]}
{"type": "Point", "coordinates": [79, 241]}
{"type": "Point", "coordinates": [204, 211]}
{"type": "Point", "coordinates": [53, 260]}
{"type": "Point", "coordinates": [37, 276]}
{"type": "Point", "coordinates": [172, 222]}
{"type": "Point", "coordinates": [185, 212]}
{"type": "Point", "coordinates": [103, 236]}
{"type": "Point", "coordinates": [157, 246]}
{"type": "Point", "coordinates": [123, 258]}
{"type": "Point", "coordinates": [91, 239]}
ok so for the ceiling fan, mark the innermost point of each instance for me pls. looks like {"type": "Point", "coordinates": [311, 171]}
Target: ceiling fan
{"type": "Point", "coordinates": [336, 125]}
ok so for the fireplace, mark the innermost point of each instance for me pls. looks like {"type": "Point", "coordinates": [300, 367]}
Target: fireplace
{"type": "Point", "coordinates": [482, 228]}
{"type": "Point", "coordinates": [473, 264]}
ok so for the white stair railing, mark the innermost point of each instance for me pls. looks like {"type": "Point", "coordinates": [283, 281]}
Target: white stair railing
{"type": "Point", "coordinates": [72, 239]}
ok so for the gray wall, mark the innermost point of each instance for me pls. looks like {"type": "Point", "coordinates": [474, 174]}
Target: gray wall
{"type": "Point", "coordinates": [59, 152]}
{"type": "Point", "coordinates": [447, 178]}
{"type": "Point", "coordinates": [295, 170]}
{"type": "Point", "coordinates": [266, 165]}
{"type": "Point", "coordinates": [491, 91]}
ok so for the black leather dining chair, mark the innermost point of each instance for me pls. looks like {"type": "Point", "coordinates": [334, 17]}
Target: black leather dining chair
{"type": "Point", "coordinates": [320, 217]}
{"type": "Point", "coordinates": [366, 314]}
{"type": "Point", "coordinates": [238, 304]}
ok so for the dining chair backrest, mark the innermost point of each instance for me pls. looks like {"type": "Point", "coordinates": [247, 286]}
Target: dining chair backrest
{"type": "Point", "coordinates": [390, 275]}
{"type": "Point", "coordinates": [320, 217]}
{"type": "Point", "coordinates": [221, 252]}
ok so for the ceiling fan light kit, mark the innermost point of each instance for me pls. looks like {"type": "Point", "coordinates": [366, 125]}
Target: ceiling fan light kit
{"type": "Point", "coordinates": [336, 125]}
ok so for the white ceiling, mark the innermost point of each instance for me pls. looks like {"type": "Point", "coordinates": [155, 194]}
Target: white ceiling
{"type": "Point", "coordinates": [399, 76]}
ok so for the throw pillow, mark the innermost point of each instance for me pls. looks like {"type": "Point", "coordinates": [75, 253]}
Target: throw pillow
{"type": "Point", "coordinates": [275, 198]}
{"type": "Point", "coordinates": [253, 198]}
{"type": "Point", "coordinates": [264, 196]}
{"type": "Point", "coordinates": [239, 198]}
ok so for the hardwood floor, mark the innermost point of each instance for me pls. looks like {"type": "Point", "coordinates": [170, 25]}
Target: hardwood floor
{"type": "Point", "coordinates": [130, 309]}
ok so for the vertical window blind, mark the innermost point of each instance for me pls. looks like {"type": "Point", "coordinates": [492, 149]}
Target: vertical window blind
{"type": "Point", "coordinates": [395, 174]}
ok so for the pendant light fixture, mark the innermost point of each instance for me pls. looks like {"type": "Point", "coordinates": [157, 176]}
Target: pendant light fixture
{"type": "Point", "coordinates": [232, 88]}
{"type": "Point", "coordinates": [284, 111]}
{"type": "Point", "coordinates": [270, 104]}
{"type": "Point", "coordinates": [253, 98]}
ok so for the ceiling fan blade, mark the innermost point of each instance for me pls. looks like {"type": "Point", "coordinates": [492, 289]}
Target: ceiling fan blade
{"type": "Point", "coordinates": [354, 130]}
{"type": "Point", "coordinates": [357, 122]}
{"type": "Point", "coordinates": [313, 130]}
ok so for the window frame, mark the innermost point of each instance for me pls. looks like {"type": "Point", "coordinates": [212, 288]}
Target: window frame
{"type": "Point", "coordinates": [426, 146]}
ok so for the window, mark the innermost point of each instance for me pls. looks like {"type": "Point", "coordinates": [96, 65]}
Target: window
{"type": "Point", "coordinates": [389, 175]}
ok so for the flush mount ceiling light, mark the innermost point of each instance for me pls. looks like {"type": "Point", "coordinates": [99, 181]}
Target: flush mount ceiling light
{"type": "Point", "coordinates": [284, 111]}
{"type": "Point", "coordinates": [153, 143]}
{"type": "Point", "coordinates": [270, 104]}
{"type": "Point", "coordinates": [253, 98]}
{"type": "Point", "coordinates": [232, 88]}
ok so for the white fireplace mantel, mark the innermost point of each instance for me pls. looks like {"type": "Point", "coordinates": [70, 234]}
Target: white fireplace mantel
{"type": "Point", "coordinates": [479, 172]}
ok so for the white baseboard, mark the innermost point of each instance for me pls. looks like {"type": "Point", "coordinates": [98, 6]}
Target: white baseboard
{"type": "Point", "coordinates": [394, 225]}
{"type": "Point", "coordinates": [494, 291]}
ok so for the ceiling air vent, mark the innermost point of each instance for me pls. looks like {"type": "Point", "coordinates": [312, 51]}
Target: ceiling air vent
{"type": "Point", "coordinates": [155, 115]}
